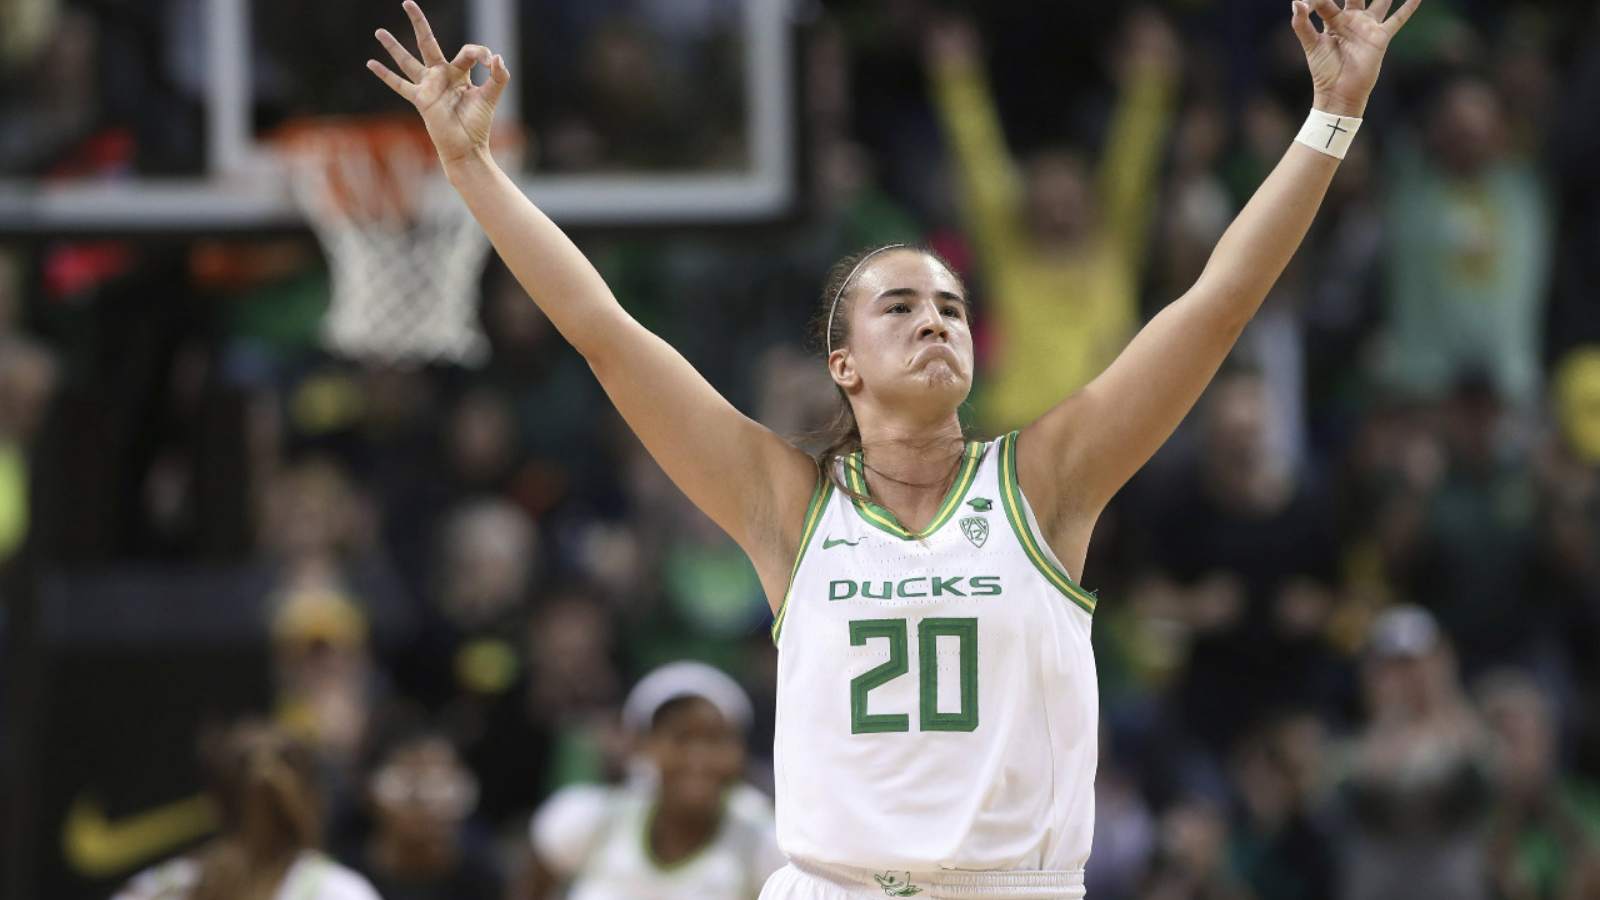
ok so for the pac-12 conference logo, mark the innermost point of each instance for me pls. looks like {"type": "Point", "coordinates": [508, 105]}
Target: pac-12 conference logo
{"type": "Point", "coordinates": [976, 528]}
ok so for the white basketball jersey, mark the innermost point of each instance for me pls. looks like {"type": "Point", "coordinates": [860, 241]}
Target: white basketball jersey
{"type": "Point", "coordinates": [598, 837]}
{"type": "Point", "coordinates": [311, 877]}
{"type": "Point", "coordinates": [937, 698]}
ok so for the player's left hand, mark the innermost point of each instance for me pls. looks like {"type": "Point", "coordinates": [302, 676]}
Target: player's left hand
{"type": "Point", "coordinates": [1344, 58]}
{"type": "Point", "coordinates": [456, 112]}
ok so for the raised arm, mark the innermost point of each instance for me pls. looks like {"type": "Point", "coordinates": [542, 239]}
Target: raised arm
{"type": "Point", "coordinates": [990, 184]}
{"type": "Point", "coordinates": [1131, 157]}
{"type": "Point", "coordinates": [1079, 453]}
{"type": "Point", "coordinates": [752, 483]}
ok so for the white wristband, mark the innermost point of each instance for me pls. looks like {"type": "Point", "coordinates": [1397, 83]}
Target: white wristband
{"type": "Point", "coordinates": [1328, 133]}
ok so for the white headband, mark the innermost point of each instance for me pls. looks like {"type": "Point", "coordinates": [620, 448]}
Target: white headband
{"type": "Point", "coordinates": [827, 336]}
{"type": "Point", "coordinates": [685, 679]}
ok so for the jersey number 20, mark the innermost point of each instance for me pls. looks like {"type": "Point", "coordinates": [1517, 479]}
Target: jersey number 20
{"type": "Point", "coordinates": [929, 716]}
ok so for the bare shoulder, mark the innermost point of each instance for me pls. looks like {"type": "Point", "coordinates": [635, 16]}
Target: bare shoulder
{"type": "Point", "coordinates": [1045, 468]}
{"type": "Point", "coordinates": [1048, 451]}
{"type": "Point", "coordinates": [775, 526]}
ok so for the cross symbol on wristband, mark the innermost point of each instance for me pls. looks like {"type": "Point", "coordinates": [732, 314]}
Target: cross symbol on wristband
{"type": "Point", "coordinates": [1333, 130]}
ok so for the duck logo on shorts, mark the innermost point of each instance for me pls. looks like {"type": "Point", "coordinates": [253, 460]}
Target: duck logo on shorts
{"type": "Point", "coordinates": [896, 886]}
{"type": "Point", "coordinates": [976, 528]}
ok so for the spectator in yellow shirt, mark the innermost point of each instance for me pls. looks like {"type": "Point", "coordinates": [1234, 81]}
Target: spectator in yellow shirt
{"type": "Point", "coordinates": [1061, 256]}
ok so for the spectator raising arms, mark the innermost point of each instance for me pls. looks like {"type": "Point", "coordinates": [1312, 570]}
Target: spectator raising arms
{"type": "Point", "coordinates": [1061, 251]}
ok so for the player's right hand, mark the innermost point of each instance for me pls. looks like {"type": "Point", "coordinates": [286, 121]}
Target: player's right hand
{"type": "Point", "coordinates": [456, 112]}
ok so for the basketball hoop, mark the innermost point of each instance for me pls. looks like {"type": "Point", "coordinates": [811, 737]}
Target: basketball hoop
{"type": "Point", "coordinates": [404, 250]}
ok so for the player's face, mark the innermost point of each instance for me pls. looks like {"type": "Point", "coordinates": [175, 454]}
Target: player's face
{"type": "Point", "coordinates": [698, 753]}
{"type": "Point", "coordinates": [910, 336]}
{"type": "Point", "coordinates": [1060, 205]}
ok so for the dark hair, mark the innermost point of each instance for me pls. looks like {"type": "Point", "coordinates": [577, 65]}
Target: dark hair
{"type": "Point", "coordinates": [672, 707]}
{"type": "Point", "coordinates": [842, 436]}
{"type": "Point", "coordinates": [264, 785]}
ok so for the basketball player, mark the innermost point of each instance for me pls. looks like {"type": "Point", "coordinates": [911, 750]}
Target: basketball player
{"type": "Point", "coordinates": [936, 697]}
{"type": "Point", "coordinates": [685, 826]}
{"type": "Point", "coordinates": [264, 785]}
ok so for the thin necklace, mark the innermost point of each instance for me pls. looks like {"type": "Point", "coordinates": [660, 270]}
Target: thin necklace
{"type": "Point", "coordinates": [944, 482]}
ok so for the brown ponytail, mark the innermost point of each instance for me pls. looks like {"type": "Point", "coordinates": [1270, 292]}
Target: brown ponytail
{"type": "Point", "coordinates": [263, 783]}
{"type": "Point", "coordinates": [830, 327]}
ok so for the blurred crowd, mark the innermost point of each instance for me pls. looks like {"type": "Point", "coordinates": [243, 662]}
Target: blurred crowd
{"type": "Point", "coordinates": [114, 89]}
{"type": "Point", "coordinates": [1349, 641]}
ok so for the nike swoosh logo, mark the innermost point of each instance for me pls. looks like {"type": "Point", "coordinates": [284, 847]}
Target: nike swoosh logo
{"type": "Point", "coordinates": [98, 847]}
{"type": "Point", "coordinates": [829, 543]}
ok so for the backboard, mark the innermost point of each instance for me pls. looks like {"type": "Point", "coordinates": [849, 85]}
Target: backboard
{"type": "Point", "coordinates": [639, 111]}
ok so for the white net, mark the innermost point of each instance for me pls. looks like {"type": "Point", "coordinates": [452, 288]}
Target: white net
{"type": "Point", "coordinates": [404, 251]}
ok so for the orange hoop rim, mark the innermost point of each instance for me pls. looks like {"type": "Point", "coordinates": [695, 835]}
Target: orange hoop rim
{"type": "Point", "coordinates": [393, 150]}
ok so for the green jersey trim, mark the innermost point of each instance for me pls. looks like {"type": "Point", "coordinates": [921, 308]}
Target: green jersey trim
{"type": "Point", "coordinates": [884, 520]}
{"type": "Point", "coordinates": [819, 502]}
{"type": "Point", "coordinates": [1011, 499]}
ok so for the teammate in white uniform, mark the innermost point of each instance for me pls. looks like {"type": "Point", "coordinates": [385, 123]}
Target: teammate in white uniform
{"type": "Point", "coordinates": [264, 786]}
{"type": "Point", "coordinates": [312, 876]}
{"type": "Point", "coordinates": [936, 736]}
{"type": "Point", "coordinates": [604, 841]}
